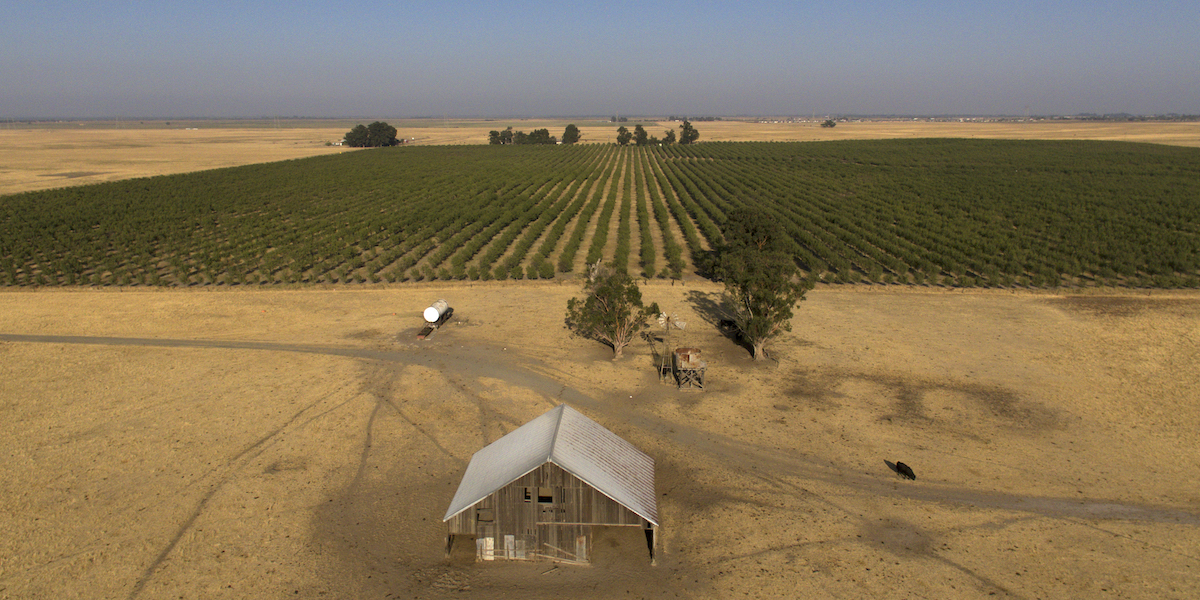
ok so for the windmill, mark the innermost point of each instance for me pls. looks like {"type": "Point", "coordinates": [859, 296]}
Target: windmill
{"type": "Point", "coordinates": [669, 323]}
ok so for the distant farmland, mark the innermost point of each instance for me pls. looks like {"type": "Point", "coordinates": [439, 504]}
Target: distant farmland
{"type": "Point", "coordinates": [919, 212]}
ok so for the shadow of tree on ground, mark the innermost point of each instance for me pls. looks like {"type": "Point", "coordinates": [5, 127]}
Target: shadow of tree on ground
{"type": "Point", "coordinates": [716, 310]}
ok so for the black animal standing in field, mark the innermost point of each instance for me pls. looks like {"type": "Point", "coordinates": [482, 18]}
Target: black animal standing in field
{"type": "Point", "coordinates": [905, 471]}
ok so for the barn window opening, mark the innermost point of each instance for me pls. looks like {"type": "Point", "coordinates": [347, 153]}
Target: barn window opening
{"type": "Point", "coordinates": [529, 494]}
{"type": "Point", "coordinates": [545, 495]}
{"type": "Point", "coordinates": [485, 515]}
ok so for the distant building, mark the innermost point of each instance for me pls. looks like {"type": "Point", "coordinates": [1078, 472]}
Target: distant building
{"type": "Point", "coordinates": [538, 492]}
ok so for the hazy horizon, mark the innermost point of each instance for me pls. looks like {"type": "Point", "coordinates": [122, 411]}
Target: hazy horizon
{"type": "Point", "coordinates": [533, 59]}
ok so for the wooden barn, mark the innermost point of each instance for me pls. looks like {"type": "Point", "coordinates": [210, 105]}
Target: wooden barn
{"type": "Point", "coordinates": [538, 492]}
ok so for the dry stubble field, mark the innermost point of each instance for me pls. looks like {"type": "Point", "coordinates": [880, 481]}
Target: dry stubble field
{"type": "Point", "coordinates": [302, 443]}
{"type": "Point", "coordinates": [45, 158]}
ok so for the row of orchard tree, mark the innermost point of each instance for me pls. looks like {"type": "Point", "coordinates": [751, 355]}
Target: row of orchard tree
{"type": "Point", "coordinates": [963, 213]}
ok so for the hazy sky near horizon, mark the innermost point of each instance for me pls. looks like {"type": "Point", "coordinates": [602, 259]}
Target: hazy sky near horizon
{"type": "Point", "coordinates": [512, 58]}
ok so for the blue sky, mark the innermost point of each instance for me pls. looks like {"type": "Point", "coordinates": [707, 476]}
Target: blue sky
{"type": "Point", "coordinates": [525, 58]}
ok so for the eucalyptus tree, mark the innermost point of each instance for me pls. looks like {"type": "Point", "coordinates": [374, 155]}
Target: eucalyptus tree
{"type": "Point", "coordinates": [761, 279]}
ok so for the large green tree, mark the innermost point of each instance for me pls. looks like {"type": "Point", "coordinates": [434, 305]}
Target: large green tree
{"type": "Point", "coordinates": [761, 279]}
{"type": "Point", "coordinates": [357, 137]}
{"type": "Point", "coordinates": [612, 311]}
{"type": "Point", "coordinates": [669, 137]}
{"type": "Point", "coordinates": [540, 136]}
{"type": "Point", "coordinates": [639, 135]}
{"type": "Point", "coordinates": [571, 134]}
{"type": "Point", "coordinates": [381, 134]}
{"type": "Point", "coordinates": [372, 136]}
{"type": "Point", "coordinates": [623, 136]}
{"type": "Point", "coordinates": [687, 133]}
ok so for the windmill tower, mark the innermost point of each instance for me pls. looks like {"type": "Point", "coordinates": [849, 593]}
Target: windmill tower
{"type": "Point", "coordinates": [669, 323]}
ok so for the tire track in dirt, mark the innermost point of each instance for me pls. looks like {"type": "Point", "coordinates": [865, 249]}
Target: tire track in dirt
{"type": "Point", "coordinates": [233, 467]}
{"type": "Point", "coordinates": [477, 362]}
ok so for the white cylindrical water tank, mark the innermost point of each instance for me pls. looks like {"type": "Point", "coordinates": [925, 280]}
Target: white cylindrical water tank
{"type": "Point", "coordinates": [435, 311]}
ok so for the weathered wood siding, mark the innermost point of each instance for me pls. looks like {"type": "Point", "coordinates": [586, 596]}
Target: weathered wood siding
{"type": "Point", "coordinates": [547, 513]}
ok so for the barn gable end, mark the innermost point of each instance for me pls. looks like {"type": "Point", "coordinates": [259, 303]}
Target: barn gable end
{"type": "Point", "coordinates": [538, 491]}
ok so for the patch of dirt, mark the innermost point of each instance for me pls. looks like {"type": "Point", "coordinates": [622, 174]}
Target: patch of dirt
{"type": "Point", "coordinates": [928, 401]}
{"type": "Point", "coordinates": [366, 334]}
{"type": "Point", "coordinates": [1125, 306]}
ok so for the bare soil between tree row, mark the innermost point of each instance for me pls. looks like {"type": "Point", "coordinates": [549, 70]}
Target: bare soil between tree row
{"type": "Point", "coordinates": [302, 443]}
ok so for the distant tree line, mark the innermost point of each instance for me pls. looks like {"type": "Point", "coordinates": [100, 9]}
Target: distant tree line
{"type": "Point", "coordinates": [616, 119]}
{"type": "Point", "coordinates": [508, 136]}
{"type": "Point", "coordinates": [638, 136]}
{"type": "Point", "coordinates": [570, 135]}
{"type": "Point", "coordinates": [1126, 117]}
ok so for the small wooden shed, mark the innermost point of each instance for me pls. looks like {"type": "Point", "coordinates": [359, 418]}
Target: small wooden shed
{"type": "Point", "coordinates": [538, 492]}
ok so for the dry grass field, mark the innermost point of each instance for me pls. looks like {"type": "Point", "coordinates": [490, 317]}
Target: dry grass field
{"type": "Point", "coordinates": [36, 157]}
{"type": "Point", "coordinates": [1177, 134]}
{"type": "Point", "coordinates": [302, 443]}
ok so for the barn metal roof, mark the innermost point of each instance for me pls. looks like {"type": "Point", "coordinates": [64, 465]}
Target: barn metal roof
{"type": "Point", "coordinates": [577, 444]}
